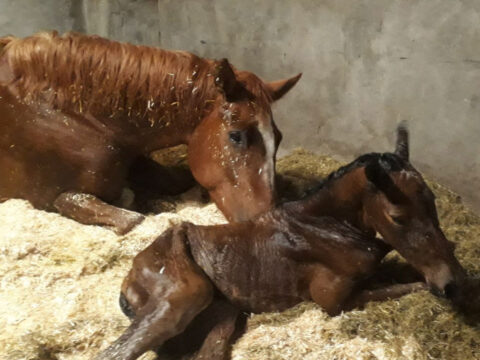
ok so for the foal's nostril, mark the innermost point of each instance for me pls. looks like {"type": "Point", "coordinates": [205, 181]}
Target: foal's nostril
{"type": "Point", "coordinates": [451, 290]}
{"type": "Point", "coordinates": [437, 292]}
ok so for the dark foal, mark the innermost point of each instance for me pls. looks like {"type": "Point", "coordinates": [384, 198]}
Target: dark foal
{"type": "Point", "coordinates": [77, 112]}
{"type": "Point", "coordinates": [288, 255]}
{"type": "Point", "coordinates": [385, 194]}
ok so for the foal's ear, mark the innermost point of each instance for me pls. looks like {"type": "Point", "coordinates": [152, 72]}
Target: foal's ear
{"type": "Point", "coordinates": [379, 177]}
{"type": "Point", "coordinates": [225, 79]}
{"type": "Point", "coordinates": [401, 148]}
{"type": "Point", "coordinates": [279, 88]}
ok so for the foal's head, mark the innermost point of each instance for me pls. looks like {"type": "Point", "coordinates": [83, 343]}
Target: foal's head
{"type": "Point", "coordinates": [232, 151]}
{"type": "Point", "coordinates": [399, 205]}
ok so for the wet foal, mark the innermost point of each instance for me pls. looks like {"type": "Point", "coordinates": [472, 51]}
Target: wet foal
{"type": "Point", "coordinates": [385, 194]}
{"type": "Point", "coordinates": [291, 254]}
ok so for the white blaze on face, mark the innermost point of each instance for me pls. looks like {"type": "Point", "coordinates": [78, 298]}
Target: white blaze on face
{"type": "Point", "coordinates": [266, 130]}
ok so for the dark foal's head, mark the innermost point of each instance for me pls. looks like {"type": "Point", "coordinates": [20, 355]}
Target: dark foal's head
{"type": "Point", "coordinates": [232, 151]}
{"type": "Point", "coordinates": [400, 206]}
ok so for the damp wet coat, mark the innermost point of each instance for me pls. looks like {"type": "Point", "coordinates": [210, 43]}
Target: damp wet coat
{"type": "Point", "coordinates": [77, 112]}
{"type": "Point", "coordinates": [193, 274]}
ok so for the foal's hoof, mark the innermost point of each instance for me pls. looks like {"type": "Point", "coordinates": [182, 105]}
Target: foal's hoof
{"type": "Point", "coordinates": [127, 222]}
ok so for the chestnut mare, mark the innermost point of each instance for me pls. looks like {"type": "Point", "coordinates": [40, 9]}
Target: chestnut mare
{"type": "Point", "coordinates": [77, 111]}
{"type": "Point", "coordinates": [195, 280]}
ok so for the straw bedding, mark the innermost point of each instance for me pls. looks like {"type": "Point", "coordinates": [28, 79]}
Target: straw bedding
{"type": "Point", "coordinates": [60, 280]}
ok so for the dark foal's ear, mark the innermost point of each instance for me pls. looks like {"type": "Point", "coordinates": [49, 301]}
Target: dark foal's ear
{"type": "Point", "coordinates": [401, 148]}
{"type": "Point", "coordinates": [225, 79]}
{"type": "Point", "coordinates": [379, 177]}
{"type": "Point", "coordinates": [279, 88]}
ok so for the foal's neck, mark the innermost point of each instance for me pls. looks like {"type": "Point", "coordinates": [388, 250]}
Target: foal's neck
{"type": "Point", "coordinates": [341, 198]}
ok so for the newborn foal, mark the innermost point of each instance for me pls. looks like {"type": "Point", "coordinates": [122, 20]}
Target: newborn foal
{"type": "Point", "coordinates": [294, 253]}
{"type": "Point", "coordinates": [269, 264]}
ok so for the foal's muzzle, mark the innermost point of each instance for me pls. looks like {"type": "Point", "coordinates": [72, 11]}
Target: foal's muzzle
{"type": "Point", "coordinates": [450, 290]}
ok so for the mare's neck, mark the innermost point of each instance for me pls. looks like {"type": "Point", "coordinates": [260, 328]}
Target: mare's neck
{"type": "Point", "coordinates": [150, 109]}
{"type": "Point", "coordinates": [172, 126]}
{"type": "Point", "coordinates": [341, 199]}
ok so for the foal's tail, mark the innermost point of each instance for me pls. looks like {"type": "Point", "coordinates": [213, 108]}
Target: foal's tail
{"type": "Point", "coordinates": [401, 148]}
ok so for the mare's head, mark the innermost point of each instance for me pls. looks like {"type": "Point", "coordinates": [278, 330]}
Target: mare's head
{"type": "Point", "coordinates": [399, 205]}
{"type": "Point", "coordinates": [232, 151]}
{"type": "Point", "coordinates": [168, 98]}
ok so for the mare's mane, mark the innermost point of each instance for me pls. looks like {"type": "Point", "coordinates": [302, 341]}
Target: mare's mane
{"type": "Point", "coordinates": [104, 77]}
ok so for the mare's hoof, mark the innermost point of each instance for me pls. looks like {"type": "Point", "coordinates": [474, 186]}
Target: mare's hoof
{"type": "Point", "coordinates": [127, 222]}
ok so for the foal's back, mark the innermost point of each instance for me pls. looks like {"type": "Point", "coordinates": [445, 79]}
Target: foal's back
{"type": "Point", "coordinates": [268, 264]}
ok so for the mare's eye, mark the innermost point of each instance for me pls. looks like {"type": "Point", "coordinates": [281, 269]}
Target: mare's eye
{"type": "Point", "coordinates": [238, 138]}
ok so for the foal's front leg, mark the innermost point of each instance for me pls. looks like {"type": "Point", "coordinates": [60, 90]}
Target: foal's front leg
{"type": "Point", "coordinates": [336, 293]}
{"type": "Point", "coordinates": [90, 210]}
{"type": "Point", "coordinates": [360, 299]}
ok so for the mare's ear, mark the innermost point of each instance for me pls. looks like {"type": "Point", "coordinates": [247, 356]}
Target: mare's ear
{"type": "Point", "coordinates": [378, 176]}
{"type": "Point", "coordinates": [279, 88]}
{"type": "Point", "coordinates": [401, 147]}
{"type": "Point", "coordinates": [4, 41]}
{"type": "Point", "coordinates": [225, 79]}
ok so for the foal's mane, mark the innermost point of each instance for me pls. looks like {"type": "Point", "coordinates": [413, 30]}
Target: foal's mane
{"type": "Point", "coordinates": [389, 161]}
{"type": "Point", "coordinates": [82, 72]}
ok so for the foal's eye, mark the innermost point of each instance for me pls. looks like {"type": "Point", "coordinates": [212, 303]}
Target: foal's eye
{"type": "Point", "coordinates": [238, 137]}
{"type": "Point", "coordinates": [399, 220]}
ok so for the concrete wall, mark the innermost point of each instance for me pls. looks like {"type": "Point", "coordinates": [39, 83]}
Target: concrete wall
{"type": "Point", "coordinates": [367, 65]}
{"type": "Point", "coordinates": [24, 17]}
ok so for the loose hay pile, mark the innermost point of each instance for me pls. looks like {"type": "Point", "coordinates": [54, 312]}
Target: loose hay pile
{"type": "Point", "coordinates": [60, 281]}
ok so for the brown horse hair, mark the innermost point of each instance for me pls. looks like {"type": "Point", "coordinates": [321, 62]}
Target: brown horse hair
{"type": "Point", "coordinates": [388, 161]}
{"type": "Point", "coordinates": [109, 78]}
{"type": "Point", "coordinates": [5, 40]}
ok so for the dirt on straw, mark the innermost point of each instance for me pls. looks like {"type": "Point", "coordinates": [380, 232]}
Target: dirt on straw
{"type": "Point", "coordinates": [60, 281]}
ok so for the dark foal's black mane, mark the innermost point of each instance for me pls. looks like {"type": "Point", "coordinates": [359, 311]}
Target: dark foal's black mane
{"type": "Point", "coordinates": [388, 161]}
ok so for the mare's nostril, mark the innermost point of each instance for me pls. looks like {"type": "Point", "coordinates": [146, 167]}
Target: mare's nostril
{"type": "Point", "coordinates": [451, 290]}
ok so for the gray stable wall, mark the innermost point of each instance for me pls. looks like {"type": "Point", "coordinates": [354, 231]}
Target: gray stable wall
{"type": "Point", "coordinates": [367, 65]}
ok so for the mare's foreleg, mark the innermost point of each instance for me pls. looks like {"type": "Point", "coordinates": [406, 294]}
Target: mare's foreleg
{"type": "Point", "coordinates": [90, 210]}
{"type": "Point", "coordinates": [147, 176]}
